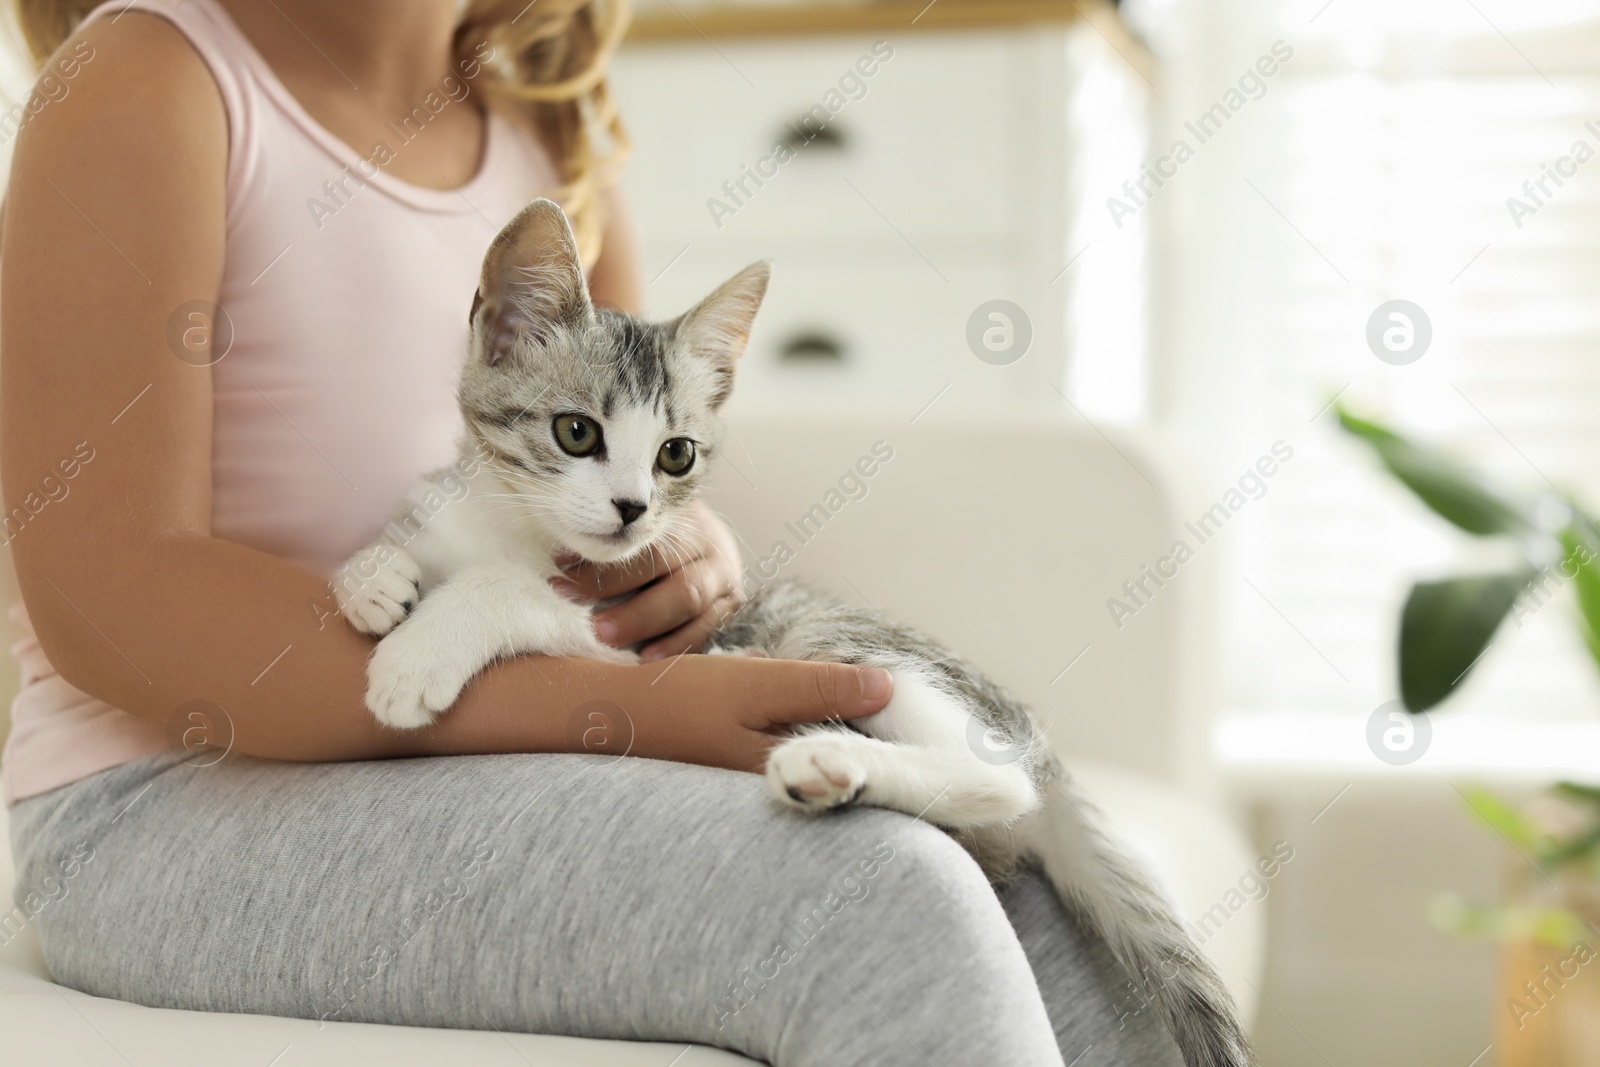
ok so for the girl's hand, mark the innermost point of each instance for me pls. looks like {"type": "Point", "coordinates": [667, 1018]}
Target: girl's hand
{"type": "Point", "coordinates": [683, 592]}
{"type": "Point", "coordinates": [729, 711]}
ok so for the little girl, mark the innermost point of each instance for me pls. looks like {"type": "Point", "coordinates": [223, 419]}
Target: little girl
{"type": "Point", "coordinates": [240, 243]}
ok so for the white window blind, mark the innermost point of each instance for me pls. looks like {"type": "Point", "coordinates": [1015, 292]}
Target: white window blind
{"type": "Point", "coordinates": [1378, 167]}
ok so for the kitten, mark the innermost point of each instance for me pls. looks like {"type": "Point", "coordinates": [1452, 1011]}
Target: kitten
{"type": "Point", "coordinates": [588, 431]}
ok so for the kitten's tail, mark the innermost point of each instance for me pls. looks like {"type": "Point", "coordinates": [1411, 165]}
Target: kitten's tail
{"type": "Point", "coordinates": [1117, 900]}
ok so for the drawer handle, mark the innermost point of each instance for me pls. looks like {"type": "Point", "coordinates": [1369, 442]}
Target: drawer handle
{"type": "Point", "coordinates": [812, 346]}
{"type": "Point", "coordinates": [797, 135]}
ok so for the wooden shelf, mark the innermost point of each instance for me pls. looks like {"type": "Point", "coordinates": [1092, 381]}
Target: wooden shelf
{"type": "Point", "coordinates": [681, 21]}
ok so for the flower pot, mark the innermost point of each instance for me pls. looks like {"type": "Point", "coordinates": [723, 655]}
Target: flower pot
{"type": "Point", "coordinates": [1547, 1010]}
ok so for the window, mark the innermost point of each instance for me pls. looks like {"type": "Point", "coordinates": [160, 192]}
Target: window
{"type": "Point", "coordinates": [1106, 376]}
{"type": "Point", "coordinates": [1386, 160]}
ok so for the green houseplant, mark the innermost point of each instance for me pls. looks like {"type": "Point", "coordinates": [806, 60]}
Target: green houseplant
{"type": "Point", "coordinates": [1547, 1010]}
{"type": "Point", "coordinates": [1447, 624]}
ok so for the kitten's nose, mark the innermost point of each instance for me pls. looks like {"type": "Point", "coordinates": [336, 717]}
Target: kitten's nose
{"type": "Point", "coordinates": [629, 510]}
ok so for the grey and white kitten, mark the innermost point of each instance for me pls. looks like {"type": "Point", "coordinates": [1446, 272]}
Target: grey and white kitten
{"type": "Point", "coordinates": [588, 431]}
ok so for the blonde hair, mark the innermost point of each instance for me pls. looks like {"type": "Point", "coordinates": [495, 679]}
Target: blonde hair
{"type": "Point", "coordinates": [547, 70]}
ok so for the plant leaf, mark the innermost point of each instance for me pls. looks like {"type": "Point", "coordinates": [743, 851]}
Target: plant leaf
{"type": "Point", "coordinates": [1580, 791]}
{"type": "Point", "coordinates": [1504, 817]}
{"type": "Point", "coordinates": [1580, 543]}
{"type": "Point", "coordinates": [1451, 489]}
{"type": "Point", "coordinates": [1446, 626]}
{"type": "Point", "coordinates": [1561, 853]}
{"type": "Point", "coordinates": [1555, 926]}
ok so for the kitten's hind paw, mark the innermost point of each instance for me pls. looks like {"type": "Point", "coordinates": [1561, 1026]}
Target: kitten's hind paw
{"type": "Point", "coordinates": [817, 772]}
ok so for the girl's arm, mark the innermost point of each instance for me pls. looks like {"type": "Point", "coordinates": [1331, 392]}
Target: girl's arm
{"type": "Point", "coordinates": [114, 218]}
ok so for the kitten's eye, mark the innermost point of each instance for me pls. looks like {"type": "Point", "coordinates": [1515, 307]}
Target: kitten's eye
{"type": "Point", "coordinates": [578, 435]}
{"type": "Point", "coordinates": [676, 456]}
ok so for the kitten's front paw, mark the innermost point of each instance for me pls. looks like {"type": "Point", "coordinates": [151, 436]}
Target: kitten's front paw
{"type": "Point", "coordinates": [816, 772]}
{"type": "Point", "coordinates": [377, 588]}
{"type": "Point", "coordinates": [411, 679]}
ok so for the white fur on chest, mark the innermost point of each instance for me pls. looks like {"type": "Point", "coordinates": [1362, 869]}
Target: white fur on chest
{"type": "Point", "coordinates": [456, 581]}
{"type": "Point", "coordinates": [485, 529]}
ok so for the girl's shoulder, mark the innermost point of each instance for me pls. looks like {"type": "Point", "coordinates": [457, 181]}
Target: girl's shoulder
{"type": "Point", "coordinates": [133, 85]}
{"type": "Point", "coordinates": [121, 152]}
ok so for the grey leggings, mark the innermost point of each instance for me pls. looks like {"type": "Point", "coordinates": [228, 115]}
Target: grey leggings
{"type": "Point", "coordinates": [582, 895]}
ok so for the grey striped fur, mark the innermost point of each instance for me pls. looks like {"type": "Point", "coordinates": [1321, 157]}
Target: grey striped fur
{"type": "Point", "coordinates": [1096, 881]}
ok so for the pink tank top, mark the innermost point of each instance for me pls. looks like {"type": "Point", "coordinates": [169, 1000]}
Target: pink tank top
{"type": "Point", "coordinates": [348, 292]}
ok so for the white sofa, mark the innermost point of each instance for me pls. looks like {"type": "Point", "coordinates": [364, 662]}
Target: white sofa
{"type": "Point", "coordinates": [1003, 538]}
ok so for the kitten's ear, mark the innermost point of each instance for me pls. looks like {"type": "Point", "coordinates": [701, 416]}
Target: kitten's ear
{"type": "Point", "coordinates": [718, 328]}
{"type": "Point", "coordinates": [532, 280]}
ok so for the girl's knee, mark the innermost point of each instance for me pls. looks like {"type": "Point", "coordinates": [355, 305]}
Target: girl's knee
{"type": "Point", "coordinates": [906, 929]}
{"type": "Point", "coordinates": [914, 879]}
{"type": "Point", "coordinates": [926, 859]}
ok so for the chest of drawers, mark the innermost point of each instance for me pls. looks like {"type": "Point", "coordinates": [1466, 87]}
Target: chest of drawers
{"type": "Point", "coordinates": [901, 177]}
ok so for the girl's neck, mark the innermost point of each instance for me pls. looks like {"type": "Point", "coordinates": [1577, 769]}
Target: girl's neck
{"type": "Point", "coordinates": [395, 50]}
{"type": "Point", "coordinates": [357, 66]}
